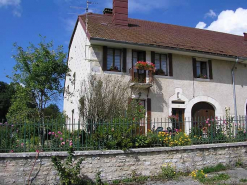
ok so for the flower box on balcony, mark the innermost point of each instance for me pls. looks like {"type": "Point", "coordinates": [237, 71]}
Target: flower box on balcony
{"type": "Point", "coordinates": [145, 66]}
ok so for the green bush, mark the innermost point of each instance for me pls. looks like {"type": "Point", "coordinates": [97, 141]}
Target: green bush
{"type": "Point", "coordinates": [217, 168]}
{"type": "Point", "coordinates": [168, 172]}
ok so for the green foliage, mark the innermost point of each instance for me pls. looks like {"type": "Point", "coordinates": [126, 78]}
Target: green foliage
{"type": "Point", "coordinates": [141, 141]}
{"type": "Point", "coordinates": [214, 179]}
{"type": "Point", "coordinates": [23, 105]}
{"type": "Point", "coordinates": [52, 112]}
{"type": "Point", "coordinates": [217, 168]}
{"type": "Point", "coordinates": [243, 180]}
{"type": "Point", "coordinates": [41, 70]}
{"type": "Point", "coordinates": [69, 171]}
{"type": "Point", "coordinates": [6, 93]}
{"type": "Point", "coordinates": [198, 175]}
{"type": "Point", "coordinates": [114, 136]}
{"type": "Point", "coordinates": [239, 163]}
{"type": "Point", "coordinates": [168, 172]}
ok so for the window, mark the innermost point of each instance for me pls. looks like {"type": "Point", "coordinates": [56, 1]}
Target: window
{"type": "Point", "coordinates": [139, 75]}
{"type": "Point", "coordinates": [138, 56]}
{"type": "Point", "coordinates": [201, 70]}
{"type": "Point", "coordinates": [113, 59]}
{"type": "Point", "coordinates": [161, 64]}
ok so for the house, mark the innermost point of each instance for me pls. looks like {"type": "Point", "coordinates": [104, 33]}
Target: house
{"type": "Point", "coordinates": [198, 72]}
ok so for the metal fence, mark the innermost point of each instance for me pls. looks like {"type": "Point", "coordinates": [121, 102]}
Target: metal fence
{"type": "Point", "coordinates": [120, 134]}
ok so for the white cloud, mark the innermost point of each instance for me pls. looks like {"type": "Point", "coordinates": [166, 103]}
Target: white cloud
{"type": "Point", "coordinates": [228, 21]}
{"type": "Point", "coordinates": [14, 4]}
{"type": "Point", "coordinates": [211, 14]}
{"type": "Point", "coordinates": [10, 2]}
{"type": "Point", "coordinates": [201, 25]}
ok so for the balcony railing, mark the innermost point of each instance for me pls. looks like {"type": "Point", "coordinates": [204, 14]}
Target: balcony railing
{"type": "Point", "coordinates": [141, 78]}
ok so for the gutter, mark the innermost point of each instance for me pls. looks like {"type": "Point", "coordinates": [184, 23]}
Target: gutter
{"type": "Point", "coordinates": [234, 95]}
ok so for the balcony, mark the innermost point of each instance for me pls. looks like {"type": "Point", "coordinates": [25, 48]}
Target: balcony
{"type": "Point", "coordinates": [141, 78]}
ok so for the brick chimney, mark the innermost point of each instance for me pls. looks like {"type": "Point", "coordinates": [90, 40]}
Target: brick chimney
{"type": "Point", "coordinates": [120, 12]}
{"type": "Point", "coordinates": [245, 36]}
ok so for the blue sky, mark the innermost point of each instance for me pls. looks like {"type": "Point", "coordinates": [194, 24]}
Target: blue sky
{"type": "Point", "coordinates": [23, 20]}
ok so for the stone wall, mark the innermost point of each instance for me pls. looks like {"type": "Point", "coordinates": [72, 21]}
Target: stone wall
{"type": "Point", "coordinates": [115, 164]}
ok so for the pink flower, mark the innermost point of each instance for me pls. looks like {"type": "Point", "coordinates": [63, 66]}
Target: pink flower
{"type": "Point", "coordinates": [22, 144]}
{"type": "Point", "coordinates": [12, 125]}
{"type": "Point", "coordinates": [63, 143]}
{"type": "Point", "coordinates": [212, 119]}
{"type": "Point", "coordinates": [53, 133]}
{"type": "Point", "coordinates": [70, 144]}
{"type": "Point", "coordinates": [1, 123]}
{"type": "Point", "coordinates": [61, 138]}
{"type": "Point", "coordinates": [216, 117]}
{"type": "Point", "coordinates": [56, 135]}
{"type": "Point", "coordinates": [59, 132]}
{"type": "Point", "coordinates": [11, 151]}
{"type": "Point", "coordinates": [209, 125]}
{"type": "Point", "coordinates": [37, 151]}
{"type": "Point", "coordinates": [207, 121]}
{"type": "Point", "coordinates": [49, 133]}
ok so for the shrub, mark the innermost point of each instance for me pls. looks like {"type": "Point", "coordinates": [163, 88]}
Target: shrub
{"type": "Point", "coordinates": [68, 171]}
{"type": "Point", "coordinates": [217, 168]}
{"type": "Point", "coordinates": [198, 175]}
{"type": "Point", "coordinates": [168, 172]}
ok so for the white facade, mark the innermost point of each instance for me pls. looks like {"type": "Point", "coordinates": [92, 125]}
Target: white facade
{"type": "Point", "coordinates": [182, 86]}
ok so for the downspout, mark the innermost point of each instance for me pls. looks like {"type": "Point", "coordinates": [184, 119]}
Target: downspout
{"type": "Point", "coordinates": [234, 96]}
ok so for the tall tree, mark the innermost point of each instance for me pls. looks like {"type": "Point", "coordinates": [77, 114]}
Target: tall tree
{"type": "Point", "coordinates": [52, 112]}
{"type": "Point", "coordinates": [6, 93]}
{"type": "Point", "coordinates": [41, 69]}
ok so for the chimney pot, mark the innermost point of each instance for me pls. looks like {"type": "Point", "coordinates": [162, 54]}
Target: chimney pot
{"type": "Point", "coordinates": [120, 12]}
{"type": "Point", "coordinates": [245, 36]}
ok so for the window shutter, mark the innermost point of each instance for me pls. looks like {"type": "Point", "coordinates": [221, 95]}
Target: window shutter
{"type": "Point", "coordinates": [194, 67]}
{"type": "Point", "coordinates": [170, 64]}
{"type": "Point", "coordinates": [153, 57]}
{"type": "Point", "coordinates": [124, 59]}
{"type": "Point", "coordinates": [104, 66]}
{"type": "Point", "coordinates": [144, 56]}
{"type": "Point", "coordinates": [149, 113]}
{"type": "Point", "coordinates": [210, 69]}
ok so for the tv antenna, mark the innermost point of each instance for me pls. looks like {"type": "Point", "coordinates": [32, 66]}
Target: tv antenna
{"type": "Point", "coordinates": [83, 8]}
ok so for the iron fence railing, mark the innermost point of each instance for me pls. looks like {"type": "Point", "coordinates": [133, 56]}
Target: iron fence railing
{"type": "Point", "coordinates": [119, 134]}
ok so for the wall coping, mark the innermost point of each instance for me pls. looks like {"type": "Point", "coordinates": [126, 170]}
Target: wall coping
{"type": "Point", "coordinates": [117, 152]}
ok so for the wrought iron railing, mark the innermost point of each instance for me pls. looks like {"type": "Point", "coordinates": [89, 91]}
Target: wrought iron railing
{"type": "Point", "coordinates": [119, 134]}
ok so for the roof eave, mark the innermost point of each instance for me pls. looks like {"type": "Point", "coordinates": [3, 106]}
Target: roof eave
{"type": "Point", "coordinates": [244, 59]}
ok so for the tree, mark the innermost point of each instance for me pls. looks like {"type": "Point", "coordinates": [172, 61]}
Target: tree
{"type": "Point", "coordinates": [6, 93]}
{"type": "Point", "coordinates": [23, 105]}
{"type": "Point", "coordinates": [41, 70]}
{"type": "Point", "coordinates": [105, 98]}
{"type": "Point", "coordinates": [52, 112]}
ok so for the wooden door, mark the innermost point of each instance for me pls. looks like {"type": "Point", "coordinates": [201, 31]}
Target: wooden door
{"type": "Point", "coordinates": [178, 123]}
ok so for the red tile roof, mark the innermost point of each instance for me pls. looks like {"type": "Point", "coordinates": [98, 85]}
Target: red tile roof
{"type": "Point", "coordinates": [166, 35]}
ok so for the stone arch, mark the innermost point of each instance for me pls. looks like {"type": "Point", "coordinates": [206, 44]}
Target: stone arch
{"type": "Point", "coordinates": [192, 102]}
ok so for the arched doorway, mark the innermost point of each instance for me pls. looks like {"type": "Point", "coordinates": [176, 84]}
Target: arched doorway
{"type": "Point", "coordinates": [202, 110]}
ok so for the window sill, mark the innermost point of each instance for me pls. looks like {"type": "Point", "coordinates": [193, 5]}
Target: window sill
{"type": "Point", "coordinates": [202, 79]}
{"type": "Point", "coordinates": [113, 72]}
{"type": "Point", "coordinates": [163, 76]}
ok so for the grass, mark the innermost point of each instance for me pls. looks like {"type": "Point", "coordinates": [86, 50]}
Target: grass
{"type": "Point", "coordinates": [217, 168]}
{"type": "Point", "coordinates": [216, 178]}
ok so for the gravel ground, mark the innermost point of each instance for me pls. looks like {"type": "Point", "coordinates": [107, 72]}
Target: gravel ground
{"type": "Point", "coordinates": [236, 174]}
